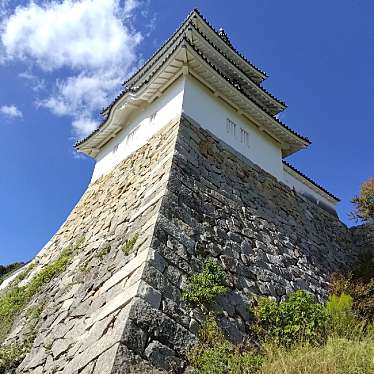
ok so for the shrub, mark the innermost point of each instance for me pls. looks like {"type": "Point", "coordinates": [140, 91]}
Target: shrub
{"type": "Point", "coordinates": [205, 286]}
{"type": "Point", "coordinates": [298, 318]}
{"type": "Point", "coordinates": [213, 354]}
{"type": "Point", "coordinates": [359, 283]}
{"type": "Point", "coordinates": [129, 245]}
{"type": "Point", "coordinates": [364, 202]}
{"type": "Point", "coordinates": [342, 321]}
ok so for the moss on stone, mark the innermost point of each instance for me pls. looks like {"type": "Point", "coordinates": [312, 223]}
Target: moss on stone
{"type": "Point", "coordinates": [129, 245]}
{"type": "Point", "coordinates": [103, 252]}
{"type": "Point", "coordinates": [16, 298]}
{"type": "Point", "coordinates": [12, 355]}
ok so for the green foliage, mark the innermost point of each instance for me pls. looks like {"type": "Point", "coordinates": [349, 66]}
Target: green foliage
{"type": "Point", "coordinates": [342, 321]}
{"type": "Point", "coordinates": [364, 202]}
{"type": "Point", "coordinates": [213, 354]}
{"type": "Point", "coordinates": [298, 318]}
{"type": "Point", "coordinates": [5, 271]}
{"type": "Point", "coordinates": [129, 245]}
{"type": "Point", "coordinates": [359, 283]}
{"type": "Point", "coordinates": [24, 274]}
{"type": "Point", "coordinates": [16, 298]}
{"type": "Point", "coordinates": [49, 272]}
{"type": "Point", "coordinates": [204, 287]}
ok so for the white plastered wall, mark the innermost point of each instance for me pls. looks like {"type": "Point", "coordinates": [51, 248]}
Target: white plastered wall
{"type": "Point", "coordinates": [191, 97]}
{"type": "Point", "coordinates": [213, 114]}
{"type": "Point", "coordinates": [140, 129]}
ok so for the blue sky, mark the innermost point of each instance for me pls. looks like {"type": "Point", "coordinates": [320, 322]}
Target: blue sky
{"type": "Point", "coordinates": [62, 61]}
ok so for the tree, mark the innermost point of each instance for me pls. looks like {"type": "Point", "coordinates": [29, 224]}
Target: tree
{"type": "Point", "coordinates": [364, 202]}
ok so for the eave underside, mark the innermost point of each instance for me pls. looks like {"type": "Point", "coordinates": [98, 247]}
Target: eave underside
{"type": "Point", "coordinates": [186, 59]}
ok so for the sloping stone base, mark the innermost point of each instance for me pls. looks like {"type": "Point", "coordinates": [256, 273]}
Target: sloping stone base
{"type": "Point", "coordinates": [187, 196]}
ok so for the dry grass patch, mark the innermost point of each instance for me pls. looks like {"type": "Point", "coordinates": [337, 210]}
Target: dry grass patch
{"type": "Point", "coordinates": [338, 356]}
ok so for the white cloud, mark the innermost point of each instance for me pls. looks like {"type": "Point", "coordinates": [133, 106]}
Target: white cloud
{"type": "Point", "coordinates": [83, 126]}
{"type": "Point", "coordinates": [37, 84]}
{"type": "Point", "coordinates": [79, 34]}
{"type": "Point", "coordinates": [10, 111]}
{"type": "Point", "coordinates": [94, 39]}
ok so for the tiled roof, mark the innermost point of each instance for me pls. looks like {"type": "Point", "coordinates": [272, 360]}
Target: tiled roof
{"type": "Point", "coordinates": [181, 30]}
{"type": "Point", "coordinates": [234, 49]}
{"type": "Point", "coordinates": [238, 67]}
{"type": "Point", "coordinates": [134, 89]}
{"type": "Point", "coordinates": [310, 180]}
{"type": "Point", "coordinates": [229, 80]}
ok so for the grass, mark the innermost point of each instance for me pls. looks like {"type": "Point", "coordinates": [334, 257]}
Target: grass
{"type": "Point", "coordinates": [337, 356]}
{"type": "Point", "coordinates": [15, 300]}
{"type": "Point", "coordinates": [12, 355]}
{"type": "Point", "coordinates": [214, 354]}
{"type": "Point", "coordinates": [347, 346]}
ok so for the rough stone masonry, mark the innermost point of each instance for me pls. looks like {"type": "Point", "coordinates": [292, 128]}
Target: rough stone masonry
{"type": "Point", "coordinates": [182, 197]}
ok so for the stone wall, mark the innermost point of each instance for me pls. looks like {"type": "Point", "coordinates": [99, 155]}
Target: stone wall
{"type": "Point", "coordinates": [269, 240]}
{"type": "Point", "coordinates": [188, 197]}
{"type": "Point", "coordinates": [86, 309]}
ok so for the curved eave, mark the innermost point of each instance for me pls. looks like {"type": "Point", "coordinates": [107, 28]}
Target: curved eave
{"type": "Point", "coordinates": [198, 66]}
{"type": "Point", "coordinates": [132, 99]}
{"type": "Point", "coordinates": [309, 182]}
{"type": "Point", "coordinates": [221, 86]}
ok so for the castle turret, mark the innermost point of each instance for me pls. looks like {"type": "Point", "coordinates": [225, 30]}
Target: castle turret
{"type": "Point", "coordinates": [199, 73]}
{"type": "Point", "coordinates": [189, 166]}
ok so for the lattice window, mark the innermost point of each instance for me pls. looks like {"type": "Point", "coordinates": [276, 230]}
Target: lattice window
{"type": "Point", "coordinates": [230, 127]}
{"type": "Point", "coordinates": [244, 137]}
